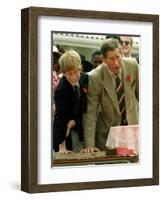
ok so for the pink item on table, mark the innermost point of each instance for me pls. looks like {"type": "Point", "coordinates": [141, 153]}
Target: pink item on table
{"type": "Point", "coordinates": [125, 139]}
{"type": "Point", "coordinates": [123, 151]}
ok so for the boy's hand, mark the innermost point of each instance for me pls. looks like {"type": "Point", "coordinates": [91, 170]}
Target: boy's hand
{"type": "Point", "coordinates": [71, 124]}
{"type": "Point", "coordinates": [63, 149]}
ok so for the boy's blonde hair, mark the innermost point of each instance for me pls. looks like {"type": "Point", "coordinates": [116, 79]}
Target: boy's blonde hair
{"type": "Point", "coordinates": [70, 61]}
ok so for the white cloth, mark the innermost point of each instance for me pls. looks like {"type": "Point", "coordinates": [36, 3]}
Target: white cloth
{"type": "Point", "coordinates": [124, 136]}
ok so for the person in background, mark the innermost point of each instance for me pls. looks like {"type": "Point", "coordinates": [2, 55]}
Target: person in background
{"type": "Point", "coordinates": [55, 72]}
{"type": "Point", "coordinates": [126, 43]}
{"type": "Point", "coordinates": [112, 36]}
{"type": "Point", "coordinates": [96, 58]}
{"type": "Point", "coordinates": [86, 65]}
{"type": "Point", "coordinates": [60, 48]}
{"type": "Point", "coordinates": [56, 54]}
{"type": "Point", "coordinates": [68, 101]}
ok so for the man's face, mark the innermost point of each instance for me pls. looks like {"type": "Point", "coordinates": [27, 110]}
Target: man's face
{"type": "Point", "coordinates": [125, 45]}
{"type": "Point", "coordinates": [113, 60]}
{"type": "Point", "coordinates": [72, 76]}
{"type": "Point", "coordinates": [97, 60]}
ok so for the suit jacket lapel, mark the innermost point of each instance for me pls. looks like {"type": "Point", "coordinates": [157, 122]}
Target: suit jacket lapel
{"type": "Point", "coordinates": [109, 87]}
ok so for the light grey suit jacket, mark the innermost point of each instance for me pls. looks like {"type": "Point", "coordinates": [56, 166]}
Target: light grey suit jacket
{"type": "Point", "coordinates": [103, 108]}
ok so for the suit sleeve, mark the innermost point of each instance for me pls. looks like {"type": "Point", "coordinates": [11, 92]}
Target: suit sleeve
{"type": "Point", "coordinates": [133, 68]}
{"type": "Point", "coordinates": [89, 118]}
{"type": "Point", "coordinates": [137, 86]}
{"type": "Point", "coordinates": [136, 80]}
{"type": "Point", "coordinates": [60, 102]}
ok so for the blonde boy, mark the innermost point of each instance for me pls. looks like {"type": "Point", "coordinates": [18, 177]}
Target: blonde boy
{"type": "Point", "coordinates": [67, 99]}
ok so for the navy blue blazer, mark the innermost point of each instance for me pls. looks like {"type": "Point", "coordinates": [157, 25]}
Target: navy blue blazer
{"type": "Point", "coordinates": [70, 104]}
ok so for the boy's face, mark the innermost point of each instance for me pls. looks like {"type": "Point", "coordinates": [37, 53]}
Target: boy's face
{"type": "Point", "coordinates": [72, 76]}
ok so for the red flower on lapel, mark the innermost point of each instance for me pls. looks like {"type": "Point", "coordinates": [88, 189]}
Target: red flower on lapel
{"type": "Point", "coordinates": [128, 77]}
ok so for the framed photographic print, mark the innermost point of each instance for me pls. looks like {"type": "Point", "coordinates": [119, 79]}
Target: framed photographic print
{"type": "Point", "coordinates": [90, 99]}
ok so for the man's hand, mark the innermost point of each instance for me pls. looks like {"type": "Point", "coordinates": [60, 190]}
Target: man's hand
{"type": "Point", "coordinates": [90, 150]}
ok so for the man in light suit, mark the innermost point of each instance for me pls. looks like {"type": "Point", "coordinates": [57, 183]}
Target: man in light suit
{"type": "Point", "coordinates": [112, 97]}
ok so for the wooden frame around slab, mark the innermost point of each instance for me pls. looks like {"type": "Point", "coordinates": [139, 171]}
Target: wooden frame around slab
{"type": "Point", "coordinates": [29, 98]}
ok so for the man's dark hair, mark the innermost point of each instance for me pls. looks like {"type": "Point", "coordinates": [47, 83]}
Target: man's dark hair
{"type": "Point", "coordinates": [109, 45]}
{"type": "Point", "coordinates": [96, 52]}
{"type": "Point", "coordinates": [108, 36]}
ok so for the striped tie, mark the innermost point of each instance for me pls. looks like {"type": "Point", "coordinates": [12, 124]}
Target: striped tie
{"type": "Point", "coordinates": [121, 100]}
